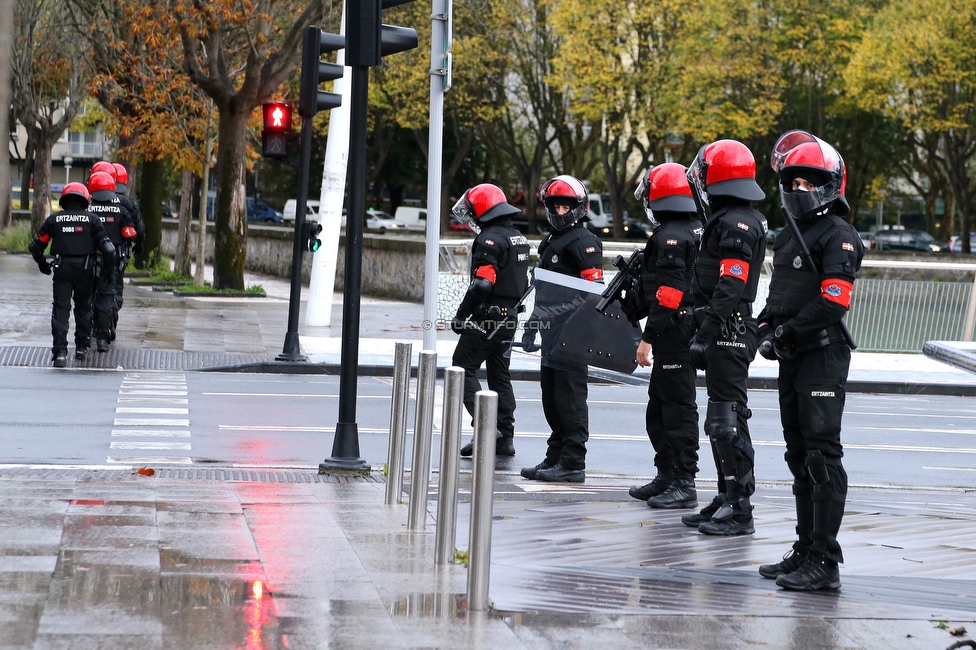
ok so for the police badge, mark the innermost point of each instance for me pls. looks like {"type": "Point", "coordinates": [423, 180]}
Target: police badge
{"type": "Point", "coordinates": [797, 262]}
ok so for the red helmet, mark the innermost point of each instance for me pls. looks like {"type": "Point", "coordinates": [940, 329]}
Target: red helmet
{"type": "Point", "coordinates": [798, 154]}
{"type": "Point", "coordinates": [564, 190]}
{"type": "Point", "coordinates": [75, 193]}
{"type": "Point", "coordinates": [121, 177]}
{"type": "Point", "coordinates": [725, 168]}
{"type": "Point", "coordinates": [102, 186]}
{"type": "Point", "coordinates": [665, 189]}
{"type": "Point", "coordinates": [107, 167]}
{"type": "Point", "coordinates": [481, 204]}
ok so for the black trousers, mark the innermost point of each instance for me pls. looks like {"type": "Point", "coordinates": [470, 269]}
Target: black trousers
{"type": "Point", "coordinates": [72, 280]}
{"type": "Point", "coordinates": [671, 418]}
{"type": "Point", "coordinates": [811, 404]}
{"type": "Point", "coordinates": [564, 391]}
{"type": "Point", "coordinates": [474, 349]}
{"type": "Point", "coordinates": [726, 380]}
{"type": "Point", "coordinates": [104, 305]}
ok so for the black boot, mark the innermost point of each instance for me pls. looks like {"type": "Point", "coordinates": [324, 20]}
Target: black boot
{"type": "Point", "coordinates": [60, 358]}
{"type": "Point", "coordinates": [102, 345]}
{"type": "Point", "coordinates": [560, 474]}
{"type": "Point", "coordinates": [504, 446]}
{"type": "Point", "coordinates": [531, 473]}
{"type": "Point", "coordinates": [658, 484]}
{"type": "Point", "coordinates": [695, 520]}
{"type": "Point", "coordinates": [816, 573]}
{"type": "Point", "coordinates": [681, 494]}
{"type": "Point", "coordinates": [792, 561]}
{"type": "Point", "coordinates": [81, 353]}
{"type": "Point", "coordinates": [738, 523]}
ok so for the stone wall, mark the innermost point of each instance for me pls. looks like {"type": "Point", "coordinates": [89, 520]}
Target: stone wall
{"type": "Point", "coordinates": [393, 267]}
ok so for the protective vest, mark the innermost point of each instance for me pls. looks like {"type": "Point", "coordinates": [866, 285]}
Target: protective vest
{"type": "Point", "coordinates": [738, 227]}
{"type": "Point", "coordinates": [794, 283]}
{"type": "Point", "coordinates": [673, 246]}
{"type": "Point", "coordinates": [504, 247]}
{"type": "Point", "coordinates": [71, 233]}
{"type": "Point", "coordinates": [571, 251]}
{"type": "Point", "coordinates": [113, 218]}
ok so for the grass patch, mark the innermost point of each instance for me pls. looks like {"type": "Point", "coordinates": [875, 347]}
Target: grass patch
{"type": "Point", "coordinates": [192, 288]}
{"type": "Point", "coordinates": [16, 237]}
{"type": "Point", "coordinates": [160, 267]}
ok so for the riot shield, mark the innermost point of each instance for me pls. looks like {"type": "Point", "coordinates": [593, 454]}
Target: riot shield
{"type": "Point", "coordinates": [574, 334]}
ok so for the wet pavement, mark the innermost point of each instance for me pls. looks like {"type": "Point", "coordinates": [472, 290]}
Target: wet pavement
{"type": "Point", "coordinates": [225, 558]}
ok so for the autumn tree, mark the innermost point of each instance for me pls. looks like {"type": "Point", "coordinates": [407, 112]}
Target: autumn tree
{"type": "Point", "coordinates": [6, 49]}
{"type": "Point", "coordinates": [50, 76]}
{"type": "Point", "coordinates": [917, 64]}
{"type": "Point", "coordinates": [239, 53]}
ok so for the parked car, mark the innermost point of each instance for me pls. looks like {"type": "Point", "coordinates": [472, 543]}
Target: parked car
{"type": "Point", "coordinates": [380, 221]}
{"type": "Point", "coordinates": [904, 240]}
{"type": "Point", "coordinates": [459, 225]}
{"type": "Point", "coordinates": [410, 218]}
{"type": "Point", "coordinates": [311, 210]}
{"type": "Point", "coordinates": [639, 229]}
{"type": "Point", "coordinates": [955, 243]}
{"type": "Point", "coordinates": [258, 210]}
{"type": "Point", "coordinates": [771, 237]}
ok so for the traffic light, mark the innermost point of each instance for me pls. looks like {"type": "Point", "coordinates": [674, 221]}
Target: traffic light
{"type": "Point", "coordinates": [277, 129]}
{"type": "Point", "coordinates": [370, 39]}
{"type": "Point", "coordinates": [314, 71]}
{"type": "Point", "coordinates": [310, 235]}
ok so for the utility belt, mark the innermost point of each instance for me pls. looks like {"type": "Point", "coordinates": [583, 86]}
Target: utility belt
{"type": "Point", "coordinates": [496, 312]}
{"type": "Point", "coordinates": [815, 341]}
{"type": "Point", "coordinates": [85, 261]}
{"type": "Point", "coordinates": [685, 315]}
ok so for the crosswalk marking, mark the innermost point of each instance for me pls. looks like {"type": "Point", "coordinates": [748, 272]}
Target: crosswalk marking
{"type": "Point", "coordinates": [143, 393]}
{"type": "Point", "coordinates": [152, 410]}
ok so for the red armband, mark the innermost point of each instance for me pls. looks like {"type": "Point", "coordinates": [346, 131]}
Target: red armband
{"type": "Point", "coordinates": [45, 238]}
{"type": "Point", "coordinates": [486, 272]}
{"type": "Point", "coordinates": [128, 232]}
{"type": "Point", "coordinates": [838, 291]}
{"type": "Point", "coordinates": [669, 297]}
{"type": "Point", "coordinates": [734, 268]}
{"type": "Point", "coordinates": [592, 274]}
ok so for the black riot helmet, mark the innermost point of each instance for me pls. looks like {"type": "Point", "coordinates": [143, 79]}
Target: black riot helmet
{"type": "Point", "coordinates": [564, 190]}
{"type": "Point", "coordinates": [802, 155]}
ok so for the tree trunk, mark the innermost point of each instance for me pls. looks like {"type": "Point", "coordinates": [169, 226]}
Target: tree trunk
{"type": "Point", "coordinates": [42, 179]}
{"type": "Point", "coordinates": [182, 266]}
{"type": "Point", "coordinates": [151, 200]}
{"type": "Point", "coordinates": [27, 172]}
{"type": "Point", "coordinates": [230, 219]}
{"type": "Point", "coordinates": [6, 48]}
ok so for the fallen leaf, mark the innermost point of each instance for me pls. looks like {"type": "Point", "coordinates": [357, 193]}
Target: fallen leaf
{"type": "Point", "coordinates": [145, 471]}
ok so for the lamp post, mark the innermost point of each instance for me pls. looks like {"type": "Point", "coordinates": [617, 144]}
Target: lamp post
{"type": "Point", "coordinates": [67, 169]}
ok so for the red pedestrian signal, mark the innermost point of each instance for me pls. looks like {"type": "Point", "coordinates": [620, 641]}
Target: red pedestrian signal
{"type": "Point", "coordinates": [277, 117]}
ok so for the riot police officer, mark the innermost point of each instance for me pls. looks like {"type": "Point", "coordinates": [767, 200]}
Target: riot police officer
{"type": "Point", "coordinates": [571, 249]}
{"type": "Point", "coordinates": [733, 246]}
{"type": "Point", "coordinates": [801, 325]}
{"type": "Point", "coordinates": [120, 230]}
{"type": "Point", "coordinates": [75, 236]}
{"type": "Point", "coordinates": [666, 273]}
{"type": "Point", "coordinates": [499, 261]}
{"type": "Point", "coordinates": [122, 191]}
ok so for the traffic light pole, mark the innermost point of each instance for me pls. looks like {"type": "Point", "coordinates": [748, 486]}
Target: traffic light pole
{"type": "Point", "coordinates": [345, 445]}
{"type": "Point", "coordinates": [293, 350]}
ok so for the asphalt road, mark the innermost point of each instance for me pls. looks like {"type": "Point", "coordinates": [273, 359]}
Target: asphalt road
{"type": "Point", "coordinates": [116, 418]}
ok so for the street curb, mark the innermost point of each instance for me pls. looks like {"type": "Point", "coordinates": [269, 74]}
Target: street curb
{"type": "Point", "coordinates": [754, 383]}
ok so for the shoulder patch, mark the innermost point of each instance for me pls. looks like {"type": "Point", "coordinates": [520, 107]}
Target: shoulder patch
{"type": "Point", "coordinates": [671, 242]}
{"type": "Point", "coordinates": [847, 246]}
{"type": "Point", "coordinates": [742, 226]}
{"type": "Point", "coordinates": [489, 242]}
{"type": "Point", "coordinates": [589, 250]}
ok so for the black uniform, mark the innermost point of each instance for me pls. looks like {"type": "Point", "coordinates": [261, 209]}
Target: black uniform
{"type": "Point", "coordinates": [576, 252]}
{"type": "Point", "coordinates": [727, 272]}
{"type": "Point", "coordinates": [814, 361]}
{"type": "Point", "coordinates": [108, 296]}
{"type": "Point", "coordinates": [666, 277]}
{"type": "Point", "coordinates": [500, 254]}
{"type": "Point", "coordinates": [76, 236]}
{"type": "Point", "coordinates": [140, 225]}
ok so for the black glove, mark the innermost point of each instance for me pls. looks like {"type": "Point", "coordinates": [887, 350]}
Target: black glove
{"type": "Point", "coordinates": [783, 343]}
{"type": "Point", "coordinates": [44, 266]}
{"type": "Point", "coordinates": [528, 341]}
{"type": "Point", "coordinates": [766, 342]}
{"type": "Point", "coordinates": [457, 324]}
{"type": "Point", "coordinates": [698, 346]}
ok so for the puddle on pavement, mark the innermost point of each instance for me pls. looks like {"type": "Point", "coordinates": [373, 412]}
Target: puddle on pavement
{"type": "Point", "coordinates": [433, 605]}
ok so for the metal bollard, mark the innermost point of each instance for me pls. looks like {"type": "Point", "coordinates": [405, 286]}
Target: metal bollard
{"type": "Point", "coordinates": [422, 432]}
{"type": "Point", "coordinates": [482, 493]}
{"type": "Point", "coordinates": [450, 448]}
{"type": "Point", "coordinates": [398, 423]}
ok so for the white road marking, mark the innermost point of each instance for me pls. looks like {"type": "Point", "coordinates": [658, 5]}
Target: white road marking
{"type": "Point", "coordinates": [152, 410]}
{"type": "Point", "coordinates": [168, 446]}
{"type": "Point", "coordinates": [150, 460]}
{"type": "Point", "coordinates": [148, 433]}
{"type": "Point", "coordinates": [149, 422]}
{"type": "Point", "coordinates": [173, 393]}
{"type": "Point", "coordinates": [950, 469]}
{"type": "Point", "coordinates": [153, 400]}
{"type": "Point", "coordinates": [294, 395]}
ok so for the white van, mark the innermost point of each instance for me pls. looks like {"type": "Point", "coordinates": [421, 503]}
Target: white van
{"type": "Point", "coordinates": [600, 214]}
{"type": "Point", "coordinates": [410, 218]}
{"type": "Point", "coordinates": [311, 210]}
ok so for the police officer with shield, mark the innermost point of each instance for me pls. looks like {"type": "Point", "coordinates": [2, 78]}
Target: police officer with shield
{"type": "Point", "coordinates": [571, 249]}
{"type": "Point", "coordinates": [76, 237]}
{"type": "Point", "coordinates": [726, 278]}
{"type": "Point", "coordinates": [666, 275]}
{"type": "Point", "coordinates": [814, 262]}
{"type": "Point", "coordinates": [499, 262]}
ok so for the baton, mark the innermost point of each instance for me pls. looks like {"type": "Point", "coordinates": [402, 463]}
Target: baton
{"type": "Point", "coordinates": [515, 311]}
{"type": "Point", "coordinates": [805, 252]}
